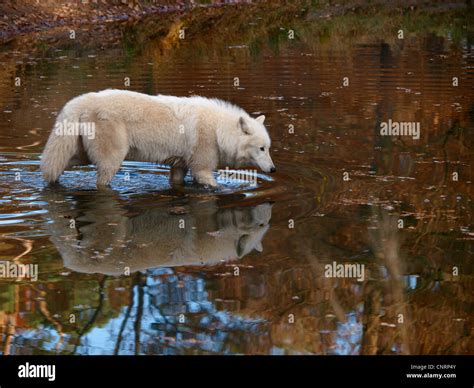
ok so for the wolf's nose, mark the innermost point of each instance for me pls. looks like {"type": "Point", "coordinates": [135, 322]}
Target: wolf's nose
{"type": "Point", "coordinates": [273, 169]}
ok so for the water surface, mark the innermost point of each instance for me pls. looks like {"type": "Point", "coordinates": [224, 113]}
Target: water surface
{"type": "Point", "coordinates": [117, 275]}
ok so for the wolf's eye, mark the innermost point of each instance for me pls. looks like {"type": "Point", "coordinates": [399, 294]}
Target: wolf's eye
{"type": "Point", "coordinates": [262, 148]}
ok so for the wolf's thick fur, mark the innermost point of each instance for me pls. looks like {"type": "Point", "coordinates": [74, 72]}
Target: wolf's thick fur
{"type": "Point", "coordinates": [184, 132]}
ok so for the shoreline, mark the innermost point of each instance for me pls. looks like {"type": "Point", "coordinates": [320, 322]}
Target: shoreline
{"type": "Point", "coordinates": [21, 20]}
{"type": "Point", "coordinates": [17, 20]}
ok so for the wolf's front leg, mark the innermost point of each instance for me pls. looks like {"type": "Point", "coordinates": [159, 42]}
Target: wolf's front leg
{"type": "Point", "coordinates": [204, 177]}
{"type": "Point", "coordinates": [177, 175]}
{"type": "Point", "coordinates": [204, 161]}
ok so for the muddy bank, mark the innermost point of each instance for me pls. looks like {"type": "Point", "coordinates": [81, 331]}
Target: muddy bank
{"type": "Point", "coordinates": [23, 17]}
{"type": "Point", "coordinates": [128, 28]}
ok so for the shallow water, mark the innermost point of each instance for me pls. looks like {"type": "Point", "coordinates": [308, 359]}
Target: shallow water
{"type": "Point", "coordinates": [246, 273]}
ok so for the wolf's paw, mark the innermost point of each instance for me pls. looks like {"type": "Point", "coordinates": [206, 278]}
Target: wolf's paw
{"type": "Point", "coordinates": [211, 184]}
{"type": "Point", "coordinates": [207, 181]}
{"type": "Point", "coordinates": [210, 187]}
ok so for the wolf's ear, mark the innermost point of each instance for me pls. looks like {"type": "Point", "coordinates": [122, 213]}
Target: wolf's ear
{"type": "Point", "coordinates": [260, 119]}
{"type": "Point", "coordinates": [243, 126]}
{"type": "Point", "coordinates": [242, 245]}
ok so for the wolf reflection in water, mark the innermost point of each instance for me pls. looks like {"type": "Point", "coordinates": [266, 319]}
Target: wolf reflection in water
{"type": "Point", "coordinates": [112, 240]}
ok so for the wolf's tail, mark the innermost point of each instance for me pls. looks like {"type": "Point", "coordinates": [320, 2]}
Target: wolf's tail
{"type": "Point", "coordinates": [60, 147]}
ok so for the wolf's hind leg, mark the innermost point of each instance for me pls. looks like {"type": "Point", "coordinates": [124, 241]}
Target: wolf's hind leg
{"type": "Point", "coordinates": [80, 157]}
{"type": "Point", "coordinates": [105, 173]}
{"type": "Point", "coordinates": [107, 150]}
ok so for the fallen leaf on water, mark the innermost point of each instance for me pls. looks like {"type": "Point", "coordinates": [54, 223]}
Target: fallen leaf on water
{"type": "Point", "coordinates": [177, 210]}
{"type": "Point", "coordinates": [217, 233]}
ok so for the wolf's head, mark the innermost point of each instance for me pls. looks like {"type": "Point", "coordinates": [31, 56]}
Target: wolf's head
{"type": "Point", "coordinates": [254, 144]}
{"type": "Point", "coordinates": [247, 225]}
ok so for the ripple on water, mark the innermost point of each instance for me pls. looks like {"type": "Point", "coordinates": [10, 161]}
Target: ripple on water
{"type": "Point", "coordinates": [133, 178]}
{"type": "Point", "coordinates": [22, 185]}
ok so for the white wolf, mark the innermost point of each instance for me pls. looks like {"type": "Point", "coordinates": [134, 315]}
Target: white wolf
{"type": "Point", "coordinates": [184, 132]}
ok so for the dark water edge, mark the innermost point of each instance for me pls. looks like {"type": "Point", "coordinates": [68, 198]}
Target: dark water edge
{"type": "Point", "coordinates": [411, 301]}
